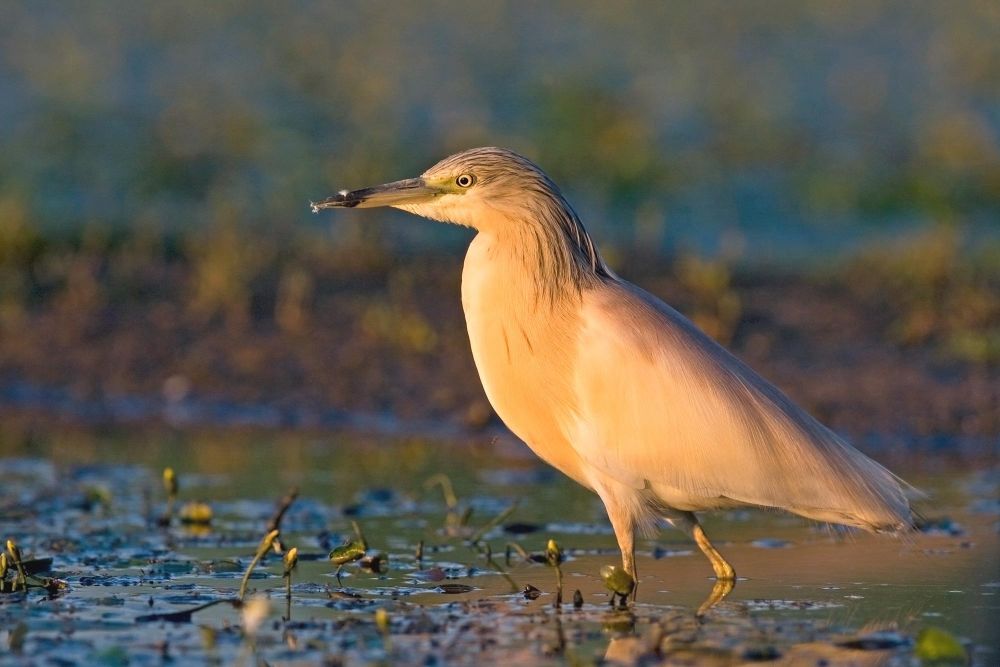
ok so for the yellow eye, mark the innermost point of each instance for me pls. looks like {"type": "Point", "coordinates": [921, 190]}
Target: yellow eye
{"type": "Point", "coordinates": [465, 180]}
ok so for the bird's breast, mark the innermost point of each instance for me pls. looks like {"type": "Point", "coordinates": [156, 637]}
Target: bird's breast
{"type": "Point", "coordinates": [523, 349]}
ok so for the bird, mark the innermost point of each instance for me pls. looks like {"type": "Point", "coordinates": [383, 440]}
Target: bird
{"type": "Point", "coordinates": [615, 388]}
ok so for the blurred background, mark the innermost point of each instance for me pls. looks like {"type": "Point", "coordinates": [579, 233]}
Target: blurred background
{"type": "Point", "coordinates": [817, 184]}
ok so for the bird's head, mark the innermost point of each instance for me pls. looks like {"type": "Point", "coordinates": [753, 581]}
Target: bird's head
{"type": "Point", "coordinates": [476, 188]}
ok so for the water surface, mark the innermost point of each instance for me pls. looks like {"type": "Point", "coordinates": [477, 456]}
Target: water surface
{"type": "Point", "coordinates": [805, 592]}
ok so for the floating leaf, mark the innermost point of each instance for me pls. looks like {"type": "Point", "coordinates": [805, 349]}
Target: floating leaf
{"type": "Point", "coordinates": [617, 580]}
{"type": "Point", "coordinates": [940, 647]}
{"type": "Point", "coordinates": [348, 553]}
{"type": "Point", "coordinates": [34, 566]}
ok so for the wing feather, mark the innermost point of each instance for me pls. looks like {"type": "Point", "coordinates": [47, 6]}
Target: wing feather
{"type": "Point", "coordinates": [662, 406]}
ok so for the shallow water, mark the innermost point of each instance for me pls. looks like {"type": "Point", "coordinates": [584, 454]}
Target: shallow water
{"type": "Point", "coordinates": [805, 592]}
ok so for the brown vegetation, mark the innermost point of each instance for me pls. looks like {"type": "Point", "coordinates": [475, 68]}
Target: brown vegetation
{"type": "Point", "coordinates": [899, 342]}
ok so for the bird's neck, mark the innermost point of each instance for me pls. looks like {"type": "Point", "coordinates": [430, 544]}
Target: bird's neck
{"type": "Point", "coordinates": [548, 252]}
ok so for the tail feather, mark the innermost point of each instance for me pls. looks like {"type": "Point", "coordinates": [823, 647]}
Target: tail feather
{"type": "Point", "coordinates": [861, 492]}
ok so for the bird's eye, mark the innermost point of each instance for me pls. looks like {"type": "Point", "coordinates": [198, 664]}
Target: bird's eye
{"type": "Point", "coordinates": [465, 180]}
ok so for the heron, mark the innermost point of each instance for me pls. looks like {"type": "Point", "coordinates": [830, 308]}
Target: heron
{"type": "Point", "coordinates": [616, 389]}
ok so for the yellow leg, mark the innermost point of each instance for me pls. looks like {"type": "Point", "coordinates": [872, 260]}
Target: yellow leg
{"type": "Point", "coordinates": [725, 575]}
{"type": "Point", "coordinates": [723, 570]}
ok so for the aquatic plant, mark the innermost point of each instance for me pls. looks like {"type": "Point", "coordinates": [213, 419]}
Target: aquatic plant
{"type": "Point", "coordinates": [25, 573]}
{"type": "Point", "coordinates": [171, 486]}
{"type": "Point", "coordinates": [196, 514]}
{"type": "Point", "coordinates": [290, 560]}
{"type": "Point", "coordinates": [477, 536]}
{"type": "Point", "coordinates": [936, 646]}
{"type": "Point", "coordinates": [266, 543]}
{"type": "Point", "coordinates": [384, 628]}
{"type": "Point", "coordinates": [350, 551]}
{"type": "Point", "coordinates": [454, 521]}
{"type": "Point", "coordinates": [619, 582]}
{"type": "Point", "coordinates": [554, 557]}
{"type": "Point", "coordinates": [279, 513]}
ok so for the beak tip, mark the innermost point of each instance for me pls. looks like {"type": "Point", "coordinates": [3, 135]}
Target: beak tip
{"type": "Point", "coordinates": [339, 200]}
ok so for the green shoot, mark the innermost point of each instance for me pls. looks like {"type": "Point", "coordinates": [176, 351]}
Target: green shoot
{"type": "Point", "coordinates": [493, 523]}
{"type": "Point", "coordinates": [262, 548]}
{"type": "Point", "coordinates": [291, 560]}
{"type": "Point", "coordinates": [554, 557]}
{"type": "Point", "coordinates": [171, 486]}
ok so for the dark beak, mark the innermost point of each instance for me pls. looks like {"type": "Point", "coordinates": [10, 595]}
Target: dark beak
{"type": "Point", "coordinates": [409, 191]}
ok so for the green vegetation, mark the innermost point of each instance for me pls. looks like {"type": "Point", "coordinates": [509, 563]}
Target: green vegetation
{"type": "Point", "coordinates": [158, 264]}
{"type": "Point", "coordinates": [266, 544]}
{"type": "Point", "coordinates": [619, 582]}
{"type": "Point", "coordinates": [716, 304]}
{"type": "Point", "coordinates": [938, 285]}
{"type": "Point", "coordinates": [352, 550]}
{"type": "Point", "coordinates": [178, 588]}
{"type": "Point", "coordinates": [554, 556]}
{"type": "Point", "coordinates": [313, 326]}
{"type": "Point", "coordinates": [18, 574]}
{"type": "Point", "coordinates": [936, 289]}
{"type": "Point", "coordinates": [939, 647]}
{"type": "Point", "coordinates": [156, 162]}
{"type": "Point", "coordinates": [187, 117]}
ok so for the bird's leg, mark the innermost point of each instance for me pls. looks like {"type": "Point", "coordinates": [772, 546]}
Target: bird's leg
{"type": "Point", "coordinates": [625, 534]}
{"type": "Point", "coordinates": [725, 575]}
{"type": "Point", "coordinates": [624, 526]}
{"type": "Point", "coordinates": [723, 570]}
{"type": "Point", "coordinates": [688, 522]}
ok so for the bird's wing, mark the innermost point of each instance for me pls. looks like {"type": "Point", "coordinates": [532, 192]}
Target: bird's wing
{"type": "Point", "coordinates": [660, 405]}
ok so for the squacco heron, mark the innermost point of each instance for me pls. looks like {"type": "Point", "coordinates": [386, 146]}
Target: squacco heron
{"type": "Point", "coordinates": [614, 387]}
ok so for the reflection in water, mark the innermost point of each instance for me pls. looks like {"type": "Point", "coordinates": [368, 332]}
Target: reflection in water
{"type": "Point", "coordinates": [821, 596]}
{"type": "Point", "coordinates": [680, 637]}
{"type": "Point", "coordinates": [720, 590]}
